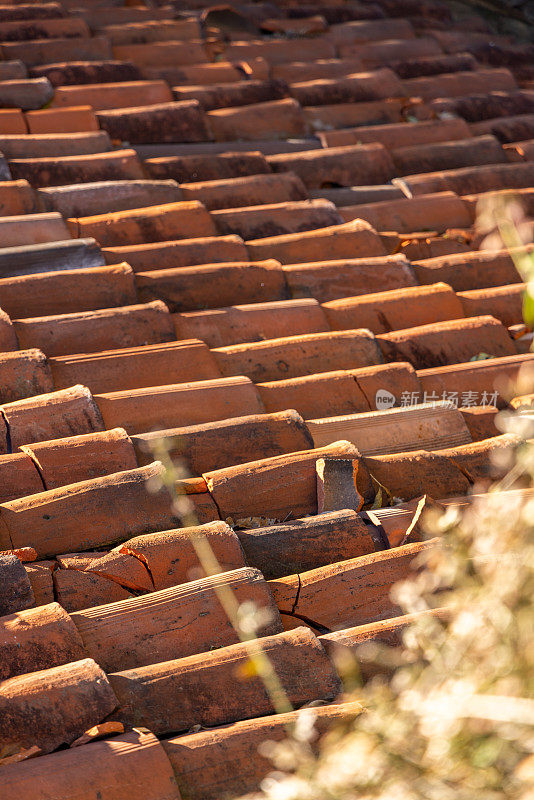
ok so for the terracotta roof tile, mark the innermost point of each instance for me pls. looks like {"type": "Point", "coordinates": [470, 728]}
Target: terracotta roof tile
{"type": "Point", "coordinates": [222, 95]}
{"type": "Point", "coordinates": [62, 702]}
{"type": "Point", "coordinates": [163, 122]}
{"type": "Point", "coordinates": [277, 119]}
{"type": "Point", "coordinates": [18, 477]}
{"type": "Point", "coordinates": [392, 310]}
{"type": "Point", "coordinates": [338, 166]}
{"type": "Point", "coordinates": [50, 51]}
{"type": "Point", "coordinates": [81, 72]}
{"type": "Point", "coordinates": [330, 280]}
{"type": "Point", "coordinates": [53, 145]}
{"type": "Point", "coordinates": [136, 367]}
{"type": "Point", "coordinates": [306, 354]}
{"type": "Point", "coordinates": [281, 487]}
{"type": "Point", "coordinates": [61, 520]}
{"type": "Point", "coordinates": [130, 763]}
{"type": "Point", "coordinates": [400, 134]}
{"type": "Point", "coordinates": [503, 302]}
{"type": "Point", "coordinates": [217, 167]}
{"type": "Point", "coordinates": [56, 171]}
{"type": "Point", "coordinates": [91, 331]}
{"type": "Point", "coordinates": [339, 242]}
{"type": "Point", "coordinates": [240, 192]}
{"type": "Point", "coordinates": [435, 212]}
{"type": "Point", "coordinates": [64, 291]}
{"type": "Point", "coordinates": [17, 198]}
{"type": "Point", "coordinates": [207, 693]}
{"type": "Point", "coordinates": [252, 322]}
{"type": "Point", "coordinates": [139, 225]}
{"type": "Point", "coordinates": [69, 254]}
{"type": "Point", "coordinates": [470, 152]}
{"type": "Point", "coordinates": [431, 426]}
{"type": "Point", "coordinates": [276, 219]}
{"type": "Point", "coordinates": [12, 120]}
{"type": "Point", "coordinates": [79, 458]}
{"type": "Point", "coordinates": [87, 199]}
{"type": "Point", "coordinates": [173, 405]}
{"type": "Point", "coordinates": [23, 373]}
{"type": "Point", "coordinates": [178, 253]}
{"type": "Point", "coordinates": [52, 416]}
{"type": "Point", "coordinates": [210, 285]}
{"type": "Point", "coordinates": [440, 343]}
{"type": "Point", "coordinates": [231, 756]}
{"type": "Point", "coordinates": [303, 544]}
{"type": "Point", "coordinates": [112, 95]}
{"type": "Point", "coordinates": [345, 216]}
{"type": "Point", "coordinates": [76, 590]}
{"type": "Point", "coordinates": [73, 119]}
{"type": "Point", "coordinates": [370, 31]}
{"type": "Point", "coordinates": [161, 54]}
{"type": "Point", "coordinates": [326, 68]}
{"type": "Point", "coordinates": [340, 392]}
{"type": "Point", "coordinates": [323, 596]}
{"type": "Point", "coordinates": [162, 30]}
{"type": "Point", "coordinates": [37, 639]}
{"type": "Point", "coordinates": [25, 94]}
{"type": "Point", "coordinates": [418, 67]}
{"type": "Point", "coordinates": [464, 271]}
{"type": "Point", "coordinates": [360, 87]}
{"type": "Point", "coordinates": [471, 180]}
{"type": "Point", "coordinates": [129, 634]}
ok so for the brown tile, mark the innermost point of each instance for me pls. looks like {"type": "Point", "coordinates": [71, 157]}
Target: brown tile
{"type": "Point", "coordinates": [161, 407]}
{"type": "Point", "coordinates": [304, 544]}
{"type": "Point", "coordinates": [52, 416]}
{"type": "Point", "coordinates": [279, 488]}
{"type": "Point", "coordinates": [292, 356]}
{"type": "Point", "coordinates": [178, 253]}
{"type": "Point", "coordinates": [212, 445]}
{"type": "Point", "coordinates": [338, 166]}
{"type": "Point", "coordinates": [139, 225]}
{"type": "Point", "coordinates": [279, 119]}
{"type": "Point", "coordinates": [93, 331]}
{"type": "Point", "coordinates": [252, 322]}
{"type": "Point", "coordinates": [441, 343]}
{"type": "Point", "coordinates": [276, 219]}
{"type": "Point", "coordinates": [99, 511]}
{"type": "Point", "coordinates": [208, 167]}
{"type": "Point", "coordinates": [213, 285]}
{"type": "Point", "coordinates": [252, 190]}
{"type": "Point", "coordinates": [150, 696]}
{"type": "Point", "coordinates": [73, 119]}
{"type": "Point", "coordinates": [44, 172]}
{"type": "Point", "coordinates": [66, 291]}
{"type": "Point", "coordinates": [357, 88]}
{"type": "Point", "coordinates": [23, 373]}
{"type": "Point", "coordinates": [63, 702]}
{"type": "Point", "coordinates": [136, 367]}
{"type": "Point", "coordinates": [395, 309]}
{"type": "Point", "coordinates": [37, 639]}
{"type": "Point", "coordinates": [144, 766]}
{"type": "Point", "coordinates": [337, 242]}
{"type": "Point", "coordinates": [112, 95]}
{"type": "Point", "coordinates": [436, 212]}
{"type": "Point", "coordinates": [129, 634]}
{"type": "Point", "coordinates": [163, 122]}
{"type": "Point", "coordinates": [79, 458]}
{"type": "Point", "coordinates": [349, 277]}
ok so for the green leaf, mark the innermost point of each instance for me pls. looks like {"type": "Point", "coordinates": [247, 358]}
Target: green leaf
{"type": "Point", "coordinates": [528, 309]}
